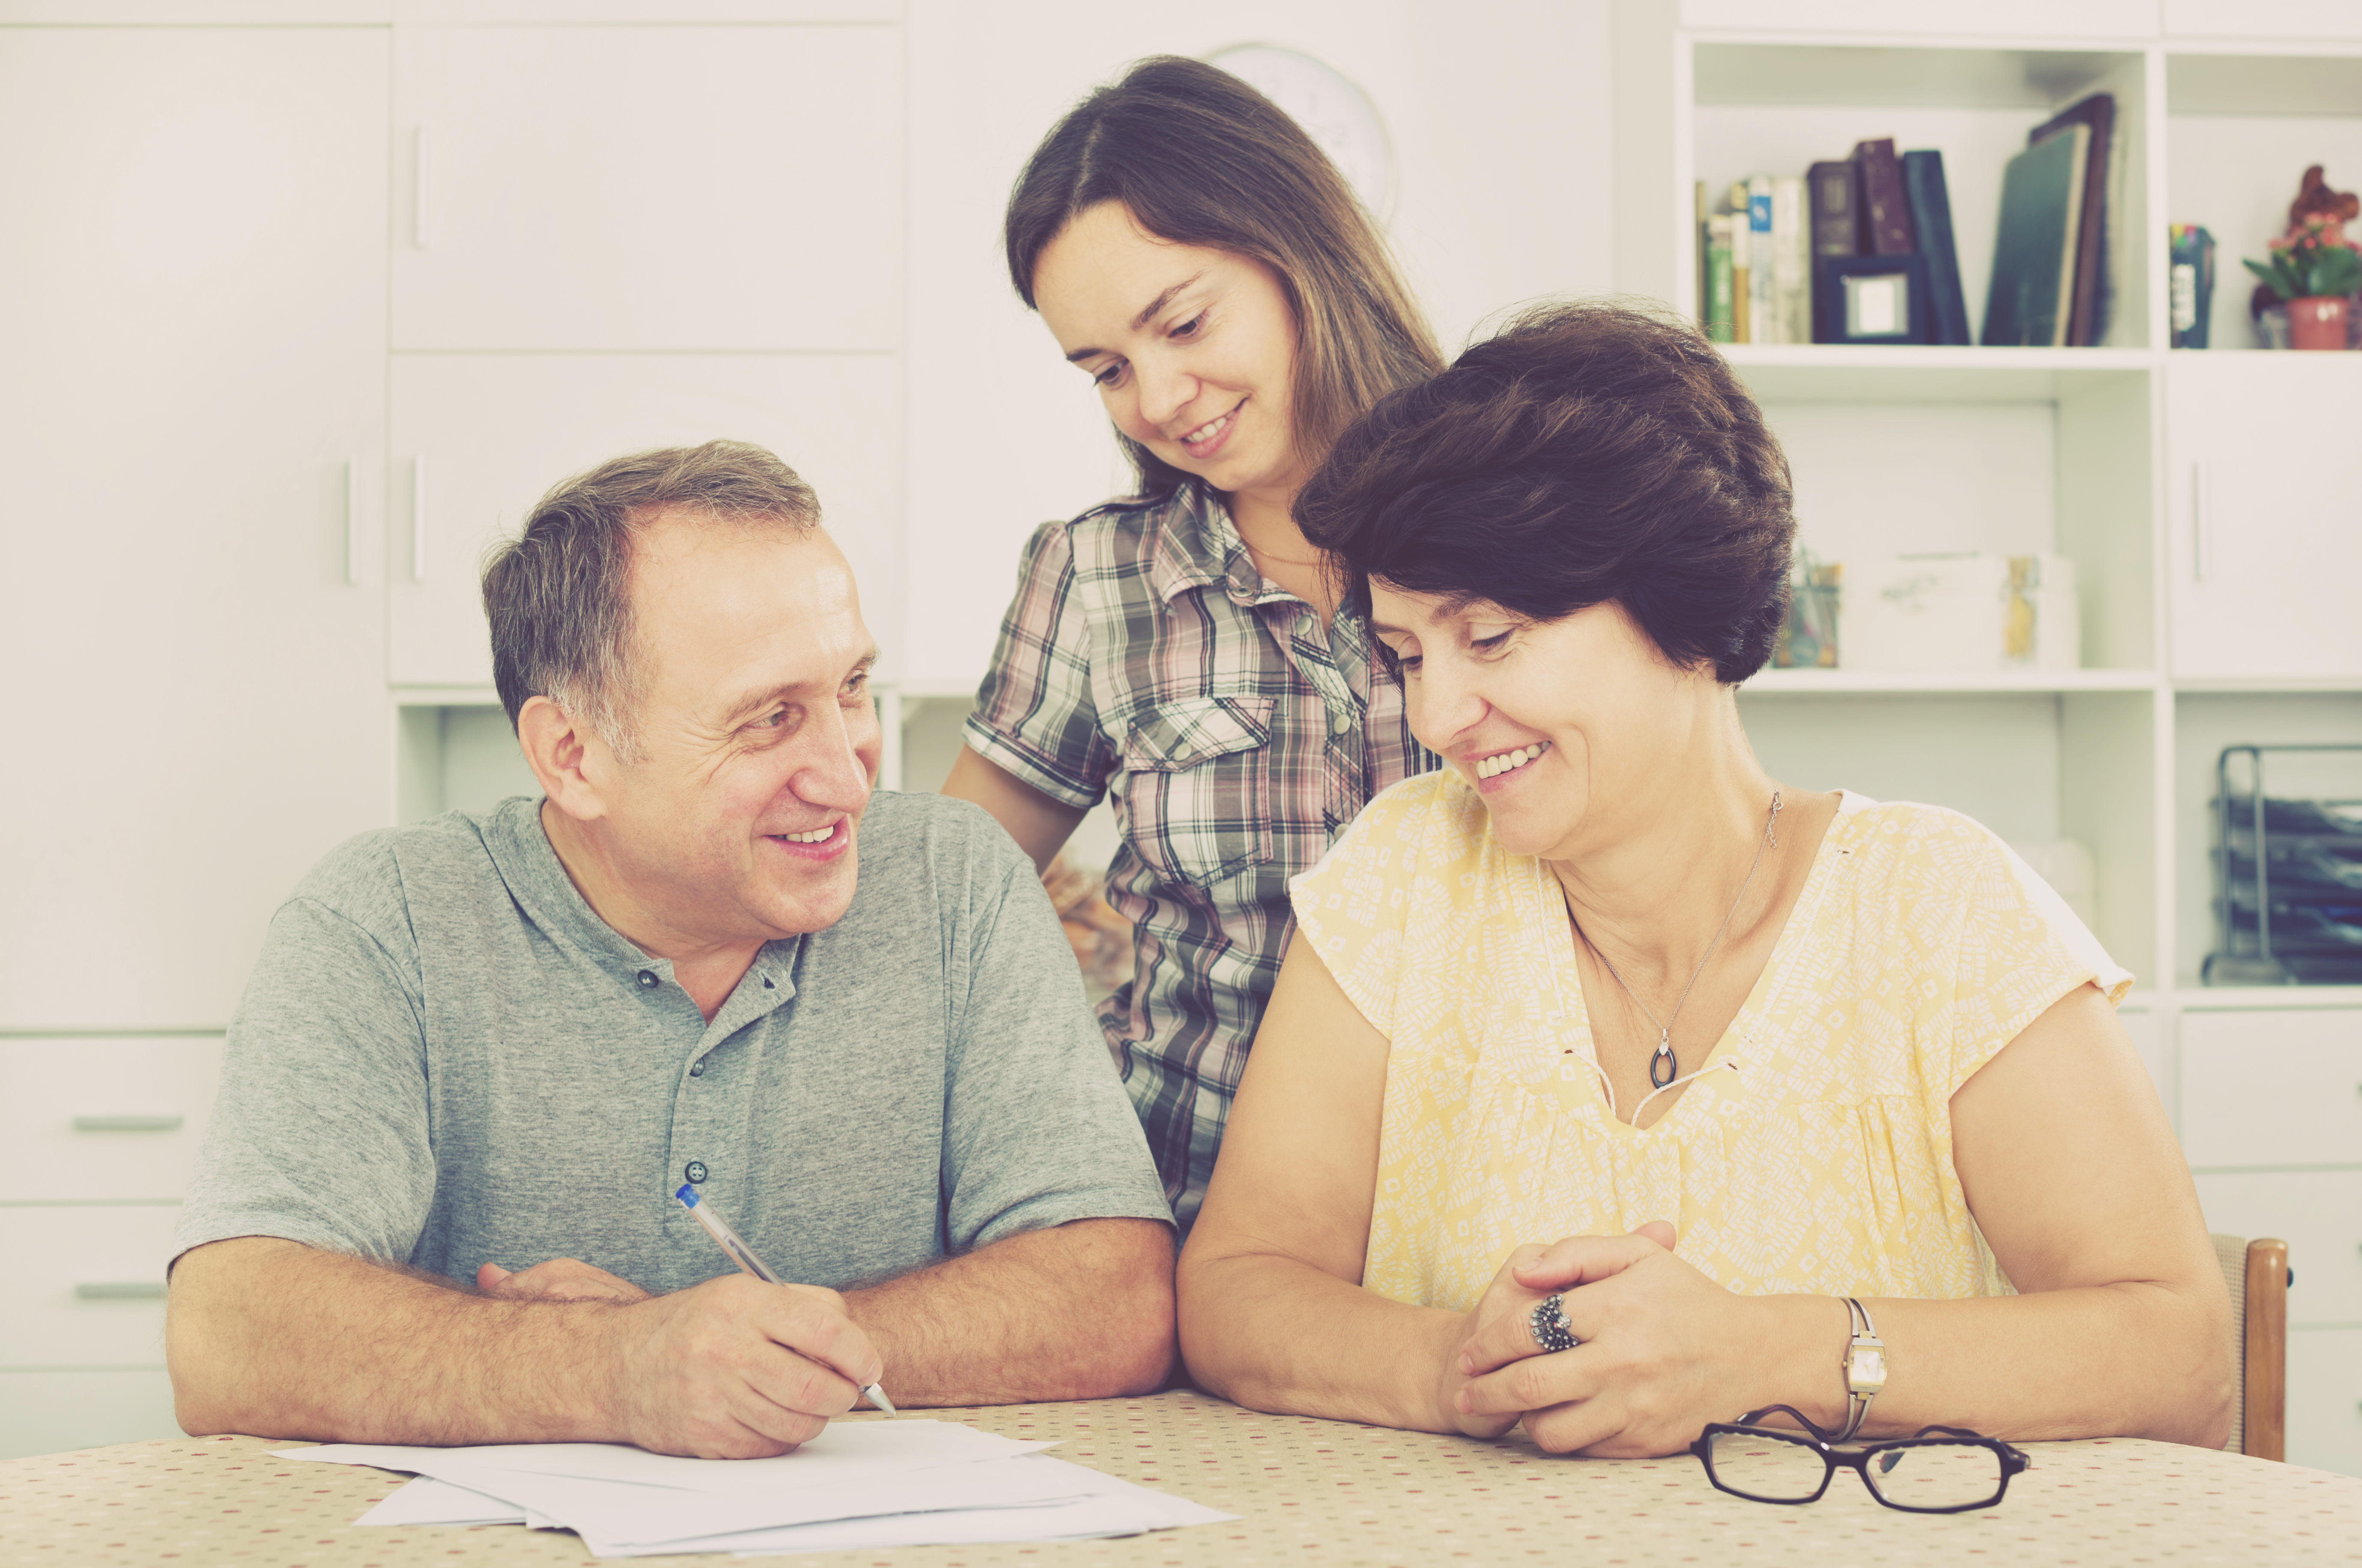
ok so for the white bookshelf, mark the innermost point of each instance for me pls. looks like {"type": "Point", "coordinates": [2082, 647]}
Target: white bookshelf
{"type": "Point", "coordinates": [2215, 570]}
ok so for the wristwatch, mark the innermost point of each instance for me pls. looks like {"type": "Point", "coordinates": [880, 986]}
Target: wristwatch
{"type": "Point", "coordinates": [1865, 1367]}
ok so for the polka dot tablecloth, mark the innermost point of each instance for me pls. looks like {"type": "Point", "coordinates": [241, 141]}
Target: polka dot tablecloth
{"type": "Point", "coordinates": [1305, 1491]}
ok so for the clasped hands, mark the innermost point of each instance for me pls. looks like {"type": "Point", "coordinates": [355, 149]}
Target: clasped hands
{"type": "Point", "coordinates": [1664, 1350]}
{"type": "Point", "coordinates": [729, 1369]}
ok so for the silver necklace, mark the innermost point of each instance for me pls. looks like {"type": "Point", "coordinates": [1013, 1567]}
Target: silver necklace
{"type": "Point", "coordinates": [1664, 1060]}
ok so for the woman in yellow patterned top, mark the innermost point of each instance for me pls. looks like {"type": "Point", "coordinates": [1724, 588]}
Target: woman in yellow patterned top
{"type": "Point", "coordinates": [1601, 1038]}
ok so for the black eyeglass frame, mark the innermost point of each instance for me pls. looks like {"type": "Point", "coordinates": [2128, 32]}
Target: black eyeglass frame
{"type": "Point", "coordinates": [2013, 1461]}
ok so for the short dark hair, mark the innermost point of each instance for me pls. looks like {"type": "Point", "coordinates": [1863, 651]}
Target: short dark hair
{"type": "Point", "coordinates": [559, 595]}
{"type": "Point", "coordinates": [1584, 453]}
{"type": "Point", "coordinates": [1199, 158]}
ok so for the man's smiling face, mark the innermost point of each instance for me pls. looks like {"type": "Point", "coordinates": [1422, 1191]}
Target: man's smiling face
{"type": "Point", "coordinates": [758, 742]}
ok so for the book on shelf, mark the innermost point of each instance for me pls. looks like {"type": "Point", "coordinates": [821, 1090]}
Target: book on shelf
{"type": "Point", "coordinates": [1715, 294]}
{"type": "Point", "coordinates": [1837, 226]}
{"type": "Point", "coordinates": [2193, 284]}
{"type": "Point", "coordinates": [1762, 295]}
{"type": "Point", "coordinates": [1754, 277]}
{"type": "Point", "coordinates": [1931, 225]}
{"type": "Point", "coordinates": [1885, 215]}
{"type": "Point", "coordinates": [2087, 319]}
{"type": "Point", "coordinates": [2038, 242]}
{"type": "Point", "coordinates": [1792, 259]}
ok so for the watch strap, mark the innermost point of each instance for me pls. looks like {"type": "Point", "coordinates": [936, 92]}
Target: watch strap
{"type": "Point", "coordinates": [1865, 1365]}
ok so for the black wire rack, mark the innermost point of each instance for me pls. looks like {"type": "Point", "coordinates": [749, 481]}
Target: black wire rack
{"type": "Point", "coordinates": [2287, 880]}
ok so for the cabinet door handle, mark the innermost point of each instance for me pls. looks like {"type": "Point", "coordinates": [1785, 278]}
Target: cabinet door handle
{"type": "Point", "coordinates": [128, 1124]}
{"type": "Point", "coordinates": [418, 519]}
{"type": "Point", "coordinates": [121, 1290]}
{"type": "Point", "coordinates": [418, 187]}
{"type": "Point", "coordinates": [352, 522]}
{"type": "Point", "coordinates": [2202, 523]}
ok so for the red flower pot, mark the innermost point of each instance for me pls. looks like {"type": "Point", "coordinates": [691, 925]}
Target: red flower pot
{"type": "Point", "coordinates": [2318, 322]}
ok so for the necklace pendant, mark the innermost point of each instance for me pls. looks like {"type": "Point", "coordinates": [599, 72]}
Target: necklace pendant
{"type": "Point", "coordinates": [1662, 1067]}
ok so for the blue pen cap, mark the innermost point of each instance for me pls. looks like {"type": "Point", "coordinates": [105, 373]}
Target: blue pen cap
{"type": "Point", "coordinates": [688, 1195]}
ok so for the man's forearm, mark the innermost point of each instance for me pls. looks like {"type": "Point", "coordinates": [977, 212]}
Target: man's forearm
{"type": "Point", "coordinates": [272, 1338]}
{"type": "Point", "coordinates": [1077, 1312]}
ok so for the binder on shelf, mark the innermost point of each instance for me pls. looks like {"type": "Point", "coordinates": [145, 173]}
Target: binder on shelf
{"type": "Point", "coordinates": [1931, 223]}
{"type": "Point", "coordinates": [1885, 216]}
{"type": "Point", "coordinates": [2087, 320]}
{"type": "Point", "coordinates": [2037, 242]}
{"type": "Point", "coordinates": [1837, 230]}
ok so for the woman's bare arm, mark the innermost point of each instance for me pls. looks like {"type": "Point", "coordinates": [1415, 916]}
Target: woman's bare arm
{"type": "Point", "coordinates": [2121, 1326]}
{"type": "Point", "coordinates": [1273, 1315]}
{"type": "Point", "coordinates": [1040, 824]}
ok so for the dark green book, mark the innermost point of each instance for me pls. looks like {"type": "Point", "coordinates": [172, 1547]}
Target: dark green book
{"type": "Point", "coordinates": [2036, 248]}
{"type": "Point", "coordinates": [1931, 220]}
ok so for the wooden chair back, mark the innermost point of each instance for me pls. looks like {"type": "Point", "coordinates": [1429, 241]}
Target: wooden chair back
{"type": "Point", "coordinates": [2257, 1275]}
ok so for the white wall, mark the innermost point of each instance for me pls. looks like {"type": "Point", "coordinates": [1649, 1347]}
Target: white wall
{"type": "Point", "coordinates": [1499, 115]}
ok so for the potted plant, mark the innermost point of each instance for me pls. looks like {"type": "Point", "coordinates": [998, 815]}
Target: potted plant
{"type": "Point", "coordinates": [2316, 270]}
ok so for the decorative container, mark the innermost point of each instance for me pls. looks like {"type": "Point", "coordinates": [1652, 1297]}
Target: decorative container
{"type": "Point", "coordinates": [2318, 322]}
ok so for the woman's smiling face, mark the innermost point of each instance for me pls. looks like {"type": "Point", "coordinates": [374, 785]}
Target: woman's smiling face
{"type": "Point", "coordinates": [1193, 349]}
{"type": "Point", "coordinates": [1570, 728]}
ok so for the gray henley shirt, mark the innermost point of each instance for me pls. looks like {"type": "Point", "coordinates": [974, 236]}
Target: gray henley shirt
{"type": "Point", "coordinates": [444, 1058]}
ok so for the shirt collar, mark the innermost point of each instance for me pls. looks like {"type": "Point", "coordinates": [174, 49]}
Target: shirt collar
{"type": "Point", "coordinates": [538, 881]}
{"type": "Point", "coordinates": [1197, 546]}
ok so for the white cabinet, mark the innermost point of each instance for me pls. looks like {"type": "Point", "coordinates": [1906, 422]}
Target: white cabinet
{"type": "Point", "coordinates": [643, 188]}
{"type": "Point", "coordinates": [488, 434]}
{"type": "Point", "coordinates": [2026, 19]}
{"type": "Point", "coordinates": [2283, 19]}
{"type": "Point", "coordinates": [2324, 1398]}
{"type": "Point", "coordinates": [99, 1120]}
{"type": "Point", "coordinates": [2266, 532]}
{"type": "Point", "coordinates": [2272, 1087]}
{"type": "Point", "coordinates": [2317, 1213]}
{"type": "Point", "coordinates": [191, 421]}
{"type": "Point", "coordinates": [44, 1412]}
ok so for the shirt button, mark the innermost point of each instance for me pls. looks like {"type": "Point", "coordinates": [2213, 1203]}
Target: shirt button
{"type": "Point", "coordinates": [648, 979]}
{"type": "Point", "coordinates": [1340, 721]}
{"type": "Point", "coordinates": [694, 1171]}
{"type": "Point", "coordinates": [697, 1069]}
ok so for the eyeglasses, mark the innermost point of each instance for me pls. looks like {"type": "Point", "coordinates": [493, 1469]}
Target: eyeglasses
{"type": "Point", "coordinates": [1942, 1470]}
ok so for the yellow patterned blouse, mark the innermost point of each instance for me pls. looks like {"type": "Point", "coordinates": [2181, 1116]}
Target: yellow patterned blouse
{"type": "Point", "coordinates": [1812, 1151]}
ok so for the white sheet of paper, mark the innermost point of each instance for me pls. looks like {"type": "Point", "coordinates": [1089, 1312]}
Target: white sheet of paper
{"type": "Point", "coordinates": [426, 1501]}
{"type": "Point", "coordinates": [874, 1483]}
{"type": "Point", "coordinates": [847, 1449]}
{"type": "Point", "coordinates": [611, 1514]}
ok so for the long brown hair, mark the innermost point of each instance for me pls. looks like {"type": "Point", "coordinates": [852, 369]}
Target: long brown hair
{"type": "Point", "coordinates": [1200, 158]}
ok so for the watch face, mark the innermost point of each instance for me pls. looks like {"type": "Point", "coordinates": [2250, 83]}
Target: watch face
{"type": "Point", "coordinates": [1866, 1368]}
{"type": "Point", "coordinates": [1337, 114]}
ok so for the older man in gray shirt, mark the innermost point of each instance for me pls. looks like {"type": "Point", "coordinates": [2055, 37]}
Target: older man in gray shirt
{"type": "Point", "coordinates": [488, 1049]}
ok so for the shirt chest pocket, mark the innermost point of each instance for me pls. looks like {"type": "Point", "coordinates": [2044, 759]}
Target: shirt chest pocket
{"type": "Point", "coordinates": [1197, 788]}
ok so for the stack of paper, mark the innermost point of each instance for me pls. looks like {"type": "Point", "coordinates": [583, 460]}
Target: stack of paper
{"type": "Point", "coordinates": [860, 1484]}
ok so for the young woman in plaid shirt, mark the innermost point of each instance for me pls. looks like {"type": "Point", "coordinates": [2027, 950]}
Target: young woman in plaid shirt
{"type": "Point", "coordinates": [1182, 650]}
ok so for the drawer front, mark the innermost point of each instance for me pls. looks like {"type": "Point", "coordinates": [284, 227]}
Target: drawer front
{"type": "Point", "coordinates": [50, 1412]}
{"type": "Point", "coordinates": [2324, 1399]}
{"type": "Point", "coordinates": [2272, 1088]}
{"type": "Point", "coordinates": [84, 1285]}
{"type": "Point", "coordinates": [2318, 1214]}
{"type": "Point", "coordinates": [103, 1118]}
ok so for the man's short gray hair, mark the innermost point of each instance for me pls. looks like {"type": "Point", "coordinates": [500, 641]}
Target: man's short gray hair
{"type": "Point", "coordinates": [559, 595]}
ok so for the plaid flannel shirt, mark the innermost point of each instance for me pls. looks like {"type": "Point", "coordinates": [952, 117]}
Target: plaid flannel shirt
{"type": "Point", "coordinates": [1146, 658]}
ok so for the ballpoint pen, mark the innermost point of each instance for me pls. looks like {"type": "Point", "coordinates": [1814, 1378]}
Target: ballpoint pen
{"type": "Point", "coordinates": [744, 1256]}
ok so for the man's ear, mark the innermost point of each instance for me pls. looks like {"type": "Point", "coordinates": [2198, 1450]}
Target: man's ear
{"type": "Point", "coordinates": [567, 755]}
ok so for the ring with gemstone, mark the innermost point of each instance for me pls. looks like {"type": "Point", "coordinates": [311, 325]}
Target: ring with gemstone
{"type": "Point", "coordinates": [1548, 1323]}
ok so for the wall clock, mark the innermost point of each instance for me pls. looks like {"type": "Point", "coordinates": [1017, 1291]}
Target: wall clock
{"type": "Point", "coordinates": [1335, 113]}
